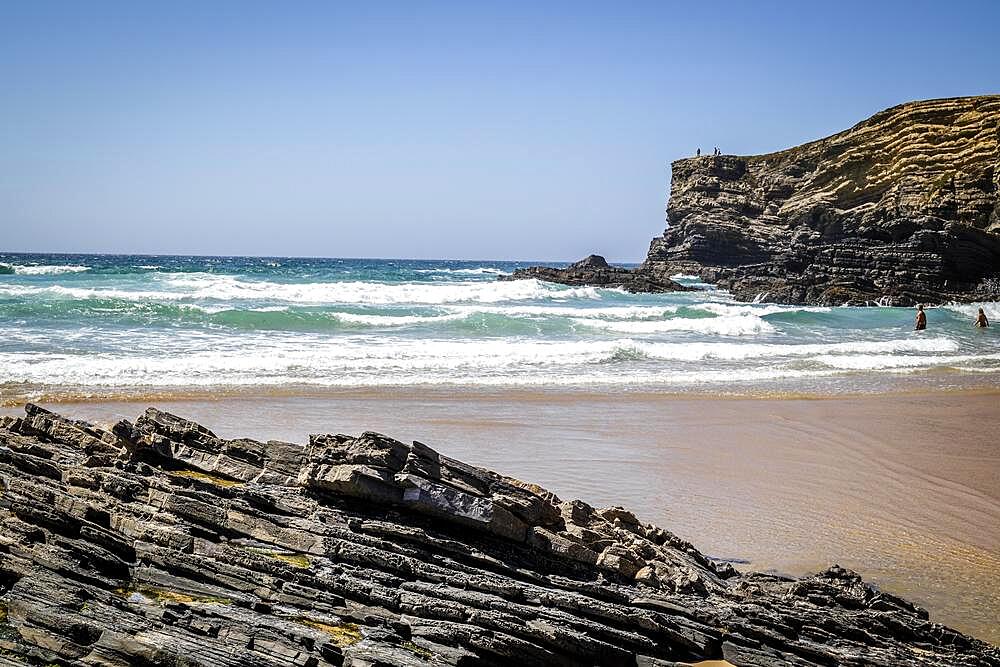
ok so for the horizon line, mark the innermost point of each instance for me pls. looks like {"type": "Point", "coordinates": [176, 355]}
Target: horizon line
{"type": "Point", "coordinates": [6, 253]}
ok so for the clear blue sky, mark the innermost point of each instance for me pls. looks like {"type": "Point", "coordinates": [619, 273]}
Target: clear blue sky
{"type": "Point", "coordinates": [431, 130]}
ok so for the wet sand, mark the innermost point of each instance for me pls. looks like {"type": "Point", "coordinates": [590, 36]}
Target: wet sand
{"type": "Point", "coordinates": [904, 488]}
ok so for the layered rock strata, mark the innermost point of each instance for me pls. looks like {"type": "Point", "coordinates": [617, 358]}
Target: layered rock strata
{"type": "Point", "coordinates": [595, 271]}
{"type": "Point", "coordinates": [902, 208]}
{"type": "Point", "coordinates": [158, 543]}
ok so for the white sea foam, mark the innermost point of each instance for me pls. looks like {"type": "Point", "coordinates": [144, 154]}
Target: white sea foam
{"type": "Point", "coordinates": [609, 312]}
{"type": "Point", "coordinates": [757, 310]}
{"type": "Point", "coordinates": [46, 269]}
{"type": "Point", "coordinates": [880, 361]}
{"type": "Point", "coordinates": [697, 351]}
{"type": "Point", "coordinates": [231, 368]}
{"type": "Point", "coordinates": [395, 320]}
{"type": "Point", "coordinates": [448, 313]}
{"type": "Point", "coordinates": [228, 288]}
{"type": "Point", "coordinates": [62, 292]}
{"type": "Point", "coordinates": [732, 325]}
{"type": "Point", "coordinates": [201, 359]}
{"type": "Point", "coordinates": [301, 359]}
{"type": "Point", "coordinates": [970, 310]}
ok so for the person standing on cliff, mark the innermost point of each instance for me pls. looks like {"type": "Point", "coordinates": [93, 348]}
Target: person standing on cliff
{"type": "Point", "coordinates": [697, 153]}
{"type": "Point", "coordinates": [981, 321]}
{"type": "Point", "coordinates": [921, 318]}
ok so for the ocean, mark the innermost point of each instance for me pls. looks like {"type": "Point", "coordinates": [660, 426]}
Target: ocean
{"type": "Point", "coordinates": [125, 325]}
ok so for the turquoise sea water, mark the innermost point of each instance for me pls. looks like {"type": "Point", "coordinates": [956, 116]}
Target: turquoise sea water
{"type": "Point", "coordinates": [109, 325]}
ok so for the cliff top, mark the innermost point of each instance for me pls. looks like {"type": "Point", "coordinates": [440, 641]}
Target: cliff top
{"type": "Point", "coordinates": [940, 107]}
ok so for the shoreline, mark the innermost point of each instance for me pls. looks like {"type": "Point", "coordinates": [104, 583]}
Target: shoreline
{"type": "Point", "coordinates": [901, 488]}
{"type": "Point", "coordinates": [910, 384]}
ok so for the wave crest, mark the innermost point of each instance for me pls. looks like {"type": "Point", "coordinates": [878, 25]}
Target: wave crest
{"type": "Point", "coordinates": [229, 289]}
{"type": "Point", "coordinates": [739, 325]}
{"type": "Point", "coordinates": [44, 269]}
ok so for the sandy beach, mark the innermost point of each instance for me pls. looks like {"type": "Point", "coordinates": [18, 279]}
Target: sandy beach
{"type": "Point", "coordinates": [903, 488]}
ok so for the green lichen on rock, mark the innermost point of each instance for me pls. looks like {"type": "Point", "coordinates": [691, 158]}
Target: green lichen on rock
{"type": "Point", "coordinates": [292, 558]}
{"type": "Point", "coordinates": [295, 560]}
{"type": "Point", "coordinates": [419, 651]}
{"type": "Point", "coordinates": [7, 631]}
{"type": "Point", "coordinates": [206, 477]}
{"type": "Point", "coordinates": [142, 593]}
{"type": "Point", "coordinates": [343, 634]}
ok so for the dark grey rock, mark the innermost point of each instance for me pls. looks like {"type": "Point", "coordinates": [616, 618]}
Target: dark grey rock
{"type": "Point", "coordinates": [595, 271]}
{"type": "Point", "coordinates": [172, 546]}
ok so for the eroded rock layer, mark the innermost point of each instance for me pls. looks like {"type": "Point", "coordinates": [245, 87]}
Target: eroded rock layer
{"type": "Point", "coordinates": [158, 543]}
{"type": "Point", "coordinates": [904, 207]}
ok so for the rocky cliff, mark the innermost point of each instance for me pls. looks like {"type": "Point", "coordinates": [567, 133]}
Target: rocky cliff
{"type": "Point", "coordinates": [901, 208]}
{"type": "Point", "coordinates": [158, 543]}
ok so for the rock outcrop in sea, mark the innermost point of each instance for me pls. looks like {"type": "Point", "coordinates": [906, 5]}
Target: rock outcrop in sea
{"type": "Point", "coordinates": [158, 543]}
{"type": "Point", "coordinates": [594, 270]}
{"type": "Point", "coordinates": [900, 209]}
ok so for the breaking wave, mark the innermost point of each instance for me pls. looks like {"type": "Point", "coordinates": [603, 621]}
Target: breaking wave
{"type": "Point", "coordinates": [228, 288]}
{"type": "Point", "coordinates": [745, 325]}
{"type": "Point", "coordinates": [41, 269]}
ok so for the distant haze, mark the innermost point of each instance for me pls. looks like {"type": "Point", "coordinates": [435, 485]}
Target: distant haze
{"type": "Point", "coordinates": [429, 130]}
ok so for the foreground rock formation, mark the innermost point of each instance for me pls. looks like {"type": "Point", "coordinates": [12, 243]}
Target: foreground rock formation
{"type": "Point", "coordinates": [901, 208]}
{"type": "Point", "coordinates": [594, 270]}
{"type": "Point", "coordinates": [158, 543]}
